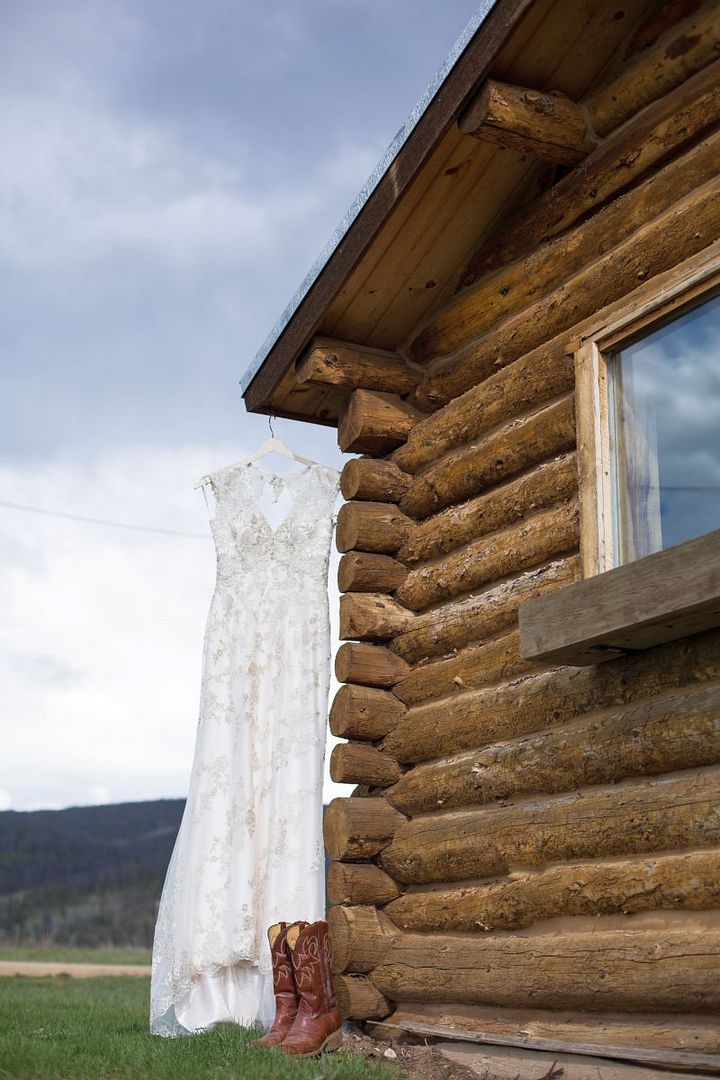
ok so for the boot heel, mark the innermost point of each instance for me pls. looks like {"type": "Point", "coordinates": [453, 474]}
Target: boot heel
{"type": "Point", "coordinates": [333, 1042]}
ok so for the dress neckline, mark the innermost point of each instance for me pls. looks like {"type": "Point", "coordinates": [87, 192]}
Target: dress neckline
{"type": "Point", "coordinates": [235, 477]}
{"type": "Point", "coordinates": [273, 476]}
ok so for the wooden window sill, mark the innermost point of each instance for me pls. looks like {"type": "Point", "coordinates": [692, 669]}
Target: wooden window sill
{"type": "Point", "coordinates": [662, 597]}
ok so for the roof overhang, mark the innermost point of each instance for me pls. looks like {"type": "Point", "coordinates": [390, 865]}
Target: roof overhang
{"type": "Point", "coordinates": [434, 197]}
{"type": "Point", "coordinates": [454, 83]}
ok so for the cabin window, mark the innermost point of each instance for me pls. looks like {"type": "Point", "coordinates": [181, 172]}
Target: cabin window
{"type": "Point", "coordinates": [648, 420]}
{"type": "Point", "coordinates": [664, 434]}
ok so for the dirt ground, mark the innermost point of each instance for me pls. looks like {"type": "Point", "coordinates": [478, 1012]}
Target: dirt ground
{"type": "Point", "coordinates": [413, 1058]}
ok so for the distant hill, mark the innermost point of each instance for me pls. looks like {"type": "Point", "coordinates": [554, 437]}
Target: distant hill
{"type": "Point", "coordinates": [88, 875]}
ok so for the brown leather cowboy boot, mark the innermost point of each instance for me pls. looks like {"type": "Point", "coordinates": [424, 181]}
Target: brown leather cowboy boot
{"type": "Point", "coordinates": [318, 1025]}
{"type": "Point", "coordinates": [286, 998]}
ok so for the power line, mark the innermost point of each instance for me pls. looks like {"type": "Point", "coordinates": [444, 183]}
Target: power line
{"type": "Point", "coordinates": [85, 520]}
{"type": "Point", "coordinates": [101, 521]}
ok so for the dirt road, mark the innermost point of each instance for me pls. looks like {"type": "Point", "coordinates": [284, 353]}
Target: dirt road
{"type": "Point", "coordinates": [38, 968]}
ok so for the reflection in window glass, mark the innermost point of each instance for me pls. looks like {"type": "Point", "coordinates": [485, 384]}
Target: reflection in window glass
{"type": "Point", "coordinates": [665, 434]}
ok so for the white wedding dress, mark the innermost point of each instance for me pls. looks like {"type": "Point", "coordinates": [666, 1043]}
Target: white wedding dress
{"type": "Point", "coordinates": [249, 851]}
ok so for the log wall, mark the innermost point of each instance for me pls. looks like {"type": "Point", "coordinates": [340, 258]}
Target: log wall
{"type": "Point", "coordinates": [505, 803]}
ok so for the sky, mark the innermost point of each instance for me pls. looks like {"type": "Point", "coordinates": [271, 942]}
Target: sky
{"type": "Point", "coordinates": [171, 169]}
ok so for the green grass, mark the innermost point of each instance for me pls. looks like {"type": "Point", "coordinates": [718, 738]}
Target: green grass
{"type": "Point", "coordinates": [96, 1029]}
{"type": "Point", "coordinates": [69, 953]}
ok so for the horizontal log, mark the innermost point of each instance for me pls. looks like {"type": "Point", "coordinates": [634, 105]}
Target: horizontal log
{"type": "Point", "coordinates": [474, 666]}
{"type": "Point", "coordinates": [548, 125]}
{"type": "Point", "coordinates": [350, 367]}
{"type": "Point", "coordinates": [359, 937]}
{"type": "Point", "coordinates": [358, 999]}
{"type": "Point", "coordinates": [611, 969]}
{"type": "Point", "coordinates": [545, 484]}
{"type": "Point", "coordinates": [375, 479]}
{"type": "Point", "coordinates": [642, 1035]}
{"type": "Point", "coordinates": [370, 526]}
{"type": "Point", "coordinates": [511, 449]}
{"type": "Point", "coordinates": [507, 1058]}
{"type": "Point", "coordinates": [482, 615]}
{"type": "Point", "coordinates": [680, 730]}
{"type": "Point", "coordinates": [544, 535]}
{"type": "Point", "coordinates": [359, 883]}
{"type": "Point", "coordinates": [658, 20]}
{"type": "Point", "coordinates": [473, 718]}
{"type": "Point", "coordinates": [363, 712]}
{"type": "Point", "coordinates": [685, 48]}
{"type": "Point", "coordinates": [372, 422]}
{"type": "Point", "coordinates": [644, 143]}
{"type": "Point", "coordinates": [688, 881]}
{"type": "Point", "coordinates": [663, 242]}
{"type": "Point", "coordinates": [372, 617]}
{"type": "Point", "coordinates": [482, 717]}
{"type": "Point", "coordinates": [624, 819]}
{"type": "Point", "coordinates": [517, 285]}
{"type": "Point", "coordinates": [369, 665]}
{"type": "Point", "coordinates": [543, 374]}
{"type": "Point", "coordinates": [357, 829]}
{"type": "Point", "coordinates": [363, 571]}
{"type": "Point", "coordinates": [360, 763]}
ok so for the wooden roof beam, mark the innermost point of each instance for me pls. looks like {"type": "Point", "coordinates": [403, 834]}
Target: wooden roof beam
{"type": "Point", "coordinates": [548, 125]}
{"type": "Point", "coordinates": [353, 367]}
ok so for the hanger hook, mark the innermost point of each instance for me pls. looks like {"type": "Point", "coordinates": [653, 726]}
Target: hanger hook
{"type": "Point", "coordinates": [270, 420]}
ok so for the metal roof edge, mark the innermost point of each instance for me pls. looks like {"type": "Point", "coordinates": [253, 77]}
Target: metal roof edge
{"type": "Point", "coordinates": [474, 23]}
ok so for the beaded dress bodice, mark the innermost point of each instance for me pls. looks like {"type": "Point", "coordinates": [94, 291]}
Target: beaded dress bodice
{"type": "Point", "coordinates": [295, 549]}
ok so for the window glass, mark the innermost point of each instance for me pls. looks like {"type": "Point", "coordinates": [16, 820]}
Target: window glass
{"type": "Point", "coordinates": [665, 434]}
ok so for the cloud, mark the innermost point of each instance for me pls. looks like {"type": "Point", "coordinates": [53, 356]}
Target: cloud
{"type": "Point", "coordinates": [101, 630]}
{"type": "Point", "coordinates": [170, 172]}
{"type": "Point", "coordinates": [80, 184]}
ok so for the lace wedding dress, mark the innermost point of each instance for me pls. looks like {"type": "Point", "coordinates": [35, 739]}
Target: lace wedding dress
{"type": "Point", "coordinates": [249, 851]}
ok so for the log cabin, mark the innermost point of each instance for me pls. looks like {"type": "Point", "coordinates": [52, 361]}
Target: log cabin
{"type": "Point", "coordinates": [515, 330]}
